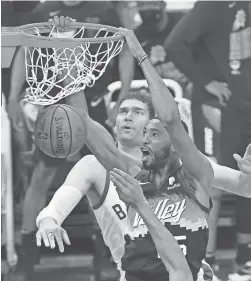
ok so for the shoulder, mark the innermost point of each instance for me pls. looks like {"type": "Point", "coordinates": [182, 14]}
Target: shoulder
{"type": "Point", "coordinates": [98, 178]}
{"type": "Point", "coordinates": [90, 162]}
{"type": "Point", "coordinates": [86, 171]}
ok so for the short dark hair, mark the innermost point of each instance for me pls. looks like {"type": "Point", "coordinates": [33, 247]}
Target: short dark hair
{"type": "Point", "coordinates": [144, 98]}
{"type": "Point", "coordinates": [182, 122]}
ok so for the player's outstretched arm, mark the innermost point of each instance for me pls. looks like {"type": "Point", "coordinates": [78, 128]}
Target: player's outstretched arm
{"type": "Point", "coordinates": [167, 247]}
{"type": "Point", "coordinates": [17, 81]}
{"type": "Point", "coordinates": [98, 139]}
{"type": "Point", "coordinates": [237, 182]}
{"type": "Point", "coordinates": [79, 180]}
{"type": "Point", "coordinates": [168, 113]}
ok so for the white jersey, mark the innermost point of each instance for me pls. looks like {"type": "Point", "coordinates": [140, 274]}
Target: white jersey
{"type": "Point", "coordinates": [111, 215]}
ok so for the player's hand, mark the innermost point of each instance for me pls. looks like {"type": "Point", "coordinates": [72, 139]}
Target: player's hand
{"type": "Point", "coordinates": [128, 188]}
{"type": "Point", "coordinates": [220, 90]}
{"type": "Point", "coordinates": [51, 233]}
{"type": "Point", "coordinates": [16, 115]}
{"type": "Point", "coordinates": [62, 23]}
{"type": "Point", "coordinates": [133, 43]}
{"type": "Point", "coordinates": [244, 163]}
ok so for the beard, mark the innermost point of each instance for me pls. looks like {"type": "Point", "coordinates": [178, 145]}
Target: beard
{"type": "Point", "coordinates": [158, 159]}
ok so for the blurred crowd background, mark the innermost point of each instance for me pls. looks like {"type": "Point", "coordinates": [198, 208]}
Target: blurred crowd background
{"type": "Point", "coordinates": [210, 84]}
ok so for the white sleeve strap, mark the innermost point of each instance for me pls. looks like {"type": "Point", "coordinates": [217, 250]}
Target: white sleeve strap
{"type": "Point", "coordinates": [63, 202]}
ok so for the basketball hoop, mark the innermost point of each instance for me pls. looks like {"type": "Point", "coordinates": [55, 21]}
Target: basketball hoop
{"type": "Point", "coordinates": [50, 59]}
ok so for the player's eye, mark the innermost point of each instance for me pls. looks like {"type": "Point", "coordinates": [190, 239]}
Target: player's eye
{"type": "Point", "coordinates": [155, 135]}
{"type": "Point", "coordinates": [139, 112]}
{"type": "Point", "coordinates": [122, 111]}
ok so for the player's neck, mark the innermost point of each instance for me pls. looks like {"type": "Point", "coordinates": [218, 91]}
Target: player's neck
{"type": "Point", "coordinates": [133, 151]}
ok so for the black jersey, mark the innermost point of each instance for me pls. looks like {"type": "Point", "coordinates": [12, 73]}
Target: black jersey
{"type": "Point", "coordinates": [184, 217]}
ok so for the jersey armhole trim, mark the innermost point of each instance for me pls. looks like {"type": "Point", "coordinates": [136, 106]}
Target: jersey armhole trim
{"type": "Point", "coordinates": [202, 207]}
{"type": "Point", "coordinates": [104, 194]}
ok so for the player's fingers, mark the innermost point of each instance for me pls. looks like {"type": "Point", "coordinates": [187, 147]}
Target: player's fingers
{"type": "Point", "coordinates": [237, 157]}
{"type": "Point", "coordinates": [122, 188]}
{"type": "Point", "coordinates": [122, 30]}
{"type": "Point", "coordinates": [51, 238]}
{"type": "Point", "coordinates": [59, 241]}
{"type": "Point", "coordinates": [65, 237]}
{"type": "Point", "coordinates": [67, 21]}
{"type": "Point", "coordinates": [115, 181]}
{"type": "Point", "coordinates": [56, 21]}
{"type": "Point", "coordinates": [126, 176]}
{"type": "Point", "coordinates": [241, 161]}
{"type": "Point", "coordinates": [244, 165]}
{"type": "Point", "coordinates": [248, 150]}
{"type": "Point", "coordinates": [51, 22]}
{"type": "Point", "coordinates": [39, 239]}
{"type": "Point", "coordinates": [62, 22]}
{"type": "Point", "coordinates": [45, 239]}
{"type": "Point", "coordinates": [122, 196]}
{"type": "Point", "coordinates": [121, 179]}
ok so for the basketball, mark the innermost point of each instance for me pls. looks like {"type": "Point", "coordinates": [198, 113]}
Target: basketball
{"type": "Point", "coordinates": [60, 131]}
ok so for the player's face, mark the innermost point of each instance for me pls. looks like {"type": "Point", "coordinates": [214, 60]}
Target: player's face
{"type": "Point", "coordinates": [132, 117]}
{"type": "Point", "coordinates": [156, 145]}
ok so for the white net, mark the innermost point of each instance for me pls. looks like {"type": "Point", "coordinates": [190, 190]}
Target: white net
{"type": "Point", "coordinates": [48, 69]}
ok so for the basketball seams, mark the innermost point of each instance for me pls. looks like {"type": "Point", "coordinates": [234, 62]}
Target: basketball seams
{"type": "Point", "coordinates": [51, 126]}
{"type": "Point", "coordinates": [36, 125]}
{"type": "Point", "coordinates": [75, 127]}
{"type": "Point", "coordinates": [69, 122]}
{"type": "Point", "coordinates": [66, 105]}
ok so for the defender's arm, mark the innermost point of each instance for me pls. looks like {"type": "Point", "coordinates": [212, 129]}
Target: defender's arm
{"type": "Point", "coordinates": [78, 182]}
